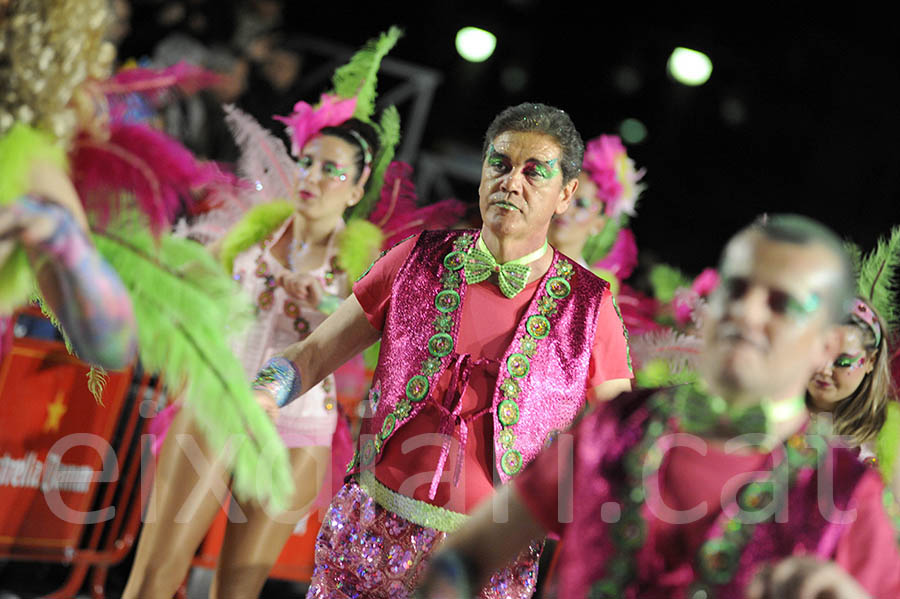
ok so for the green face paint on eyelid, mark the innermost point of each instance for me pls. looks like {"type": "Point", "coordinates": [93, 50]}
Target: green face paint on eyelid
{"type": "Point", "coordinates": [850, 361]}
{"type": "Point", "coordinates": [805, 308]}
{"type": "Point", "coordinates": [543, 171]}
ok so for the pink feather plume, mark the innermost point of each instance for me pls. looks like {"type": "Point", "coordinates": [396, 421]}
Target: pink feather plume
{"type": "Point", "coordinates": [397, 212]}
{"type": "Point", "coordinates": [188, 77]}
{"type": "Point", "coordinates": [142, 163]}
{"type": "Point", "coordinates": [306, 121]}
{"type": "Point", "coordinates": [622, 258]}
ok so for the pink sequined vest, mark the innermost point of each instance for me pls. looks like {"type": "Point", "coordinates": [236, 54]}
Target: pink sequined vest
{"type": "Point", "coordinates": [541, 385]}
{"type": "Point", "coordinates": [605, 440]}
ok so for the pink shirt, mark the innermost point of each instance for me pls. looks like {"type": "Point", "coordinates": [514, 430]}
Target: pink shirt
{"type": "Point", "coordinates": [867, 548]}
{"type": "Point", "coordinates": [487, 325]}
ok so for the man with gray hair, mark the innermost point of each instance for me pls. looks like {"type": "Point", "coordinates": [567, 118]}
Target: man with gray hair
{"type": "Point", "coordinates": [713, 490]}
{"type": "Point", "coordinates": [491, 342]}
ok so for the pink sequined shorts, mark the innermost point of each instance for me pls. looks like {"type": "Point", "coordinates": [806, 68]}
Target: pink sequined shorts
{"type": "Point", "coordinates": [365, 551]}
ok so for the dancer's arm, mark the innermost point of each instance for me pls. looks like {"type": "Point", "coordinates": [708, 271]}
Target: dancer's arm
{"type": "Point", "coordinates": [81, 289]}
{"type": "Point", "coordinates": [344, 334]}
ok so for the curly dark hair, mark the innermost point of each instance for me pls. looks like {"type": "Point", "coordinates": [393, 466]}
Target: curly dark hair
{"type": "Point", "coordinates": [541, 118]}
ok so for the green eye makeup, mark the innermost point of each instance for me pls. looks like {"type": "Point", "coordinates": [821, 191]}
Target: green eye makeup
{"type": "Point", "coordinates": [853, 362]}
{"type": "Point", "coordinates": [333, 170]}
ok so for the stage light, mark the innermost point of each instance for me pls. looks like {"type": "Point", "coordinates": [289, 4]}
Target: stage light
{"type": "Point", "coordinates": [632, 131]}
{"type": "Point", "coordinates": [474, 44]}
{"type": "Point", "coordinates": [689, 67]}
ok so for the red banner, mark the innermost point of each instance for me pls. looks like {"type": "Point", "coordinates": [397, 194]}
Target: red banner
{"type": "Point", "coordinates": [54, 445]}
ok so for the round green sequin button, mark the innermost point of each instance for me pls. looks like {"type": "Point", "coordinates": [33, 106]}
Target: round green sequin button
{"type": "Point", "coordinates": [387, 427]}
{"type": "Point", "coordinates": [508, 412]}
{"type": "Point", "coordinates": [417, 388]}
{"type": "Point", "coordinates": [558, 288]}
{"type": "Point", "coordinates": [447, 300]}
{"type": "Point", "coordinates": [455, 260]}
{"type": "Point", "coordinates": [518, 365]}
{"type": "Point", "coordinates": [440, 344]}
{"type": "Point", "coordinates": [538, 326]}
{"type": "Point", "coordinates": [718, 559]}
{"type": "Point", "coordinates": [510, 388]}
{"type": "Point", "coordinates": [507, 439]}
{"type": "Point", "coordinates": [511, 462]}
{"type": "Point", "coordinates": [368, 453]}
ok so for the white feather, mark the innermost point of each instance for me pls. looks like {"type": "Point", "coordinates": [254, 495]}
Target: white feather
{"type": "Point", "coordinates": [265, 162]}
{"type": "Point", "coordinates": [680, 350]}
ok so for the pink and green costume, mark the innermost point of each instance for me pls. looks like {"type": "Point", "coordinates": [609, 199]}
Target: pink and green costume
{"type": "Point", "coordinates": [637, 525]}
{"type": "Point", "coordinates": [530, 387]}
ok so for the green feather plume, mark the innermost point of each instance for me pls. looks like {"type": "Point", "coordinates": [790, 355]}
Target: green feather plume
{"type": "Point", "coordinates": [878, 277]}
{"type": "Point", "coordinates": [358, 246]}
{"type": "Point", "coordinates": [666, 280]}
{"type": "Point", "coordinates": [20, 148]}
{"type": "Point", "coordinates": [185, 306]}
{"type": "Point", "coordinates": [389, 137]}
{"type": "Point", "coordinates": [888, 441]}
{"type": "Point", "coordinates": [359, 76]}
{"type": "Point", "coordinates": [17, 283]}
{"type": "Point", "coordinates": [259, 222]}
{"type": "Point", "coordinates": [596, 247]}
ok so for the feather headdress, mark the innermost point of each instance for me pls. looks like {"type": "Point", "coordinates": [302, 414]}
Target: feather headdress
{"type": "Point", "coordinates": [877, 278]}
{"type": "Point", "coordinates": [141, 167]}
{"type": "Point", "coordinates": [613, 172]}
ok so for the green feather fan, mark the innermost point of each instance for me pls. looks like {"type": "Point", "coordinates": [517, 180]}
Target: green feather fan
{"type": "Point", "coordinates": [878, 277]}
{"type": "Point", "coordinates": [888, 441]}
{"type": "Point", "coordinates": [258, 223]}
{"type": "Point", "coordinates": [359, 76]}
{"type": "Point", "coordinates": [185, 306]}
{"type": "Point", "coordinates": [358, 247]}
{"type": "Point", "coordinates": [389, 137]}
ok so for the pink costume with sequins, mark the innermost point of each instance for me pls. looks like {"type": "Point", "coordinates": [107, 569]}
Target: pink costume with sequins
{"type": "Point", "coordinates": [534, 385]}
{"type": "Point", "coordinates": [667, 536]}
{"type": "Point", "coordinates": [281, 321]}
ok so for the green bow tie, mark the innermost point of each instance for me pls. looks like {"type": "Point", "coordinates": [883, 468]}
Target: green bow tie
{"type": "Point", "coordinates": [511, 276]}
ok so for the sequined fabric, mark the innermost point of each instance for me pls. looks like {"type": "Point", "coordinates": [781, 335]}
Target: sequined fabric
{"type": "Point", "coordinates": [547, 362]}
{"type": "Point", "coordinates": [365, 551]}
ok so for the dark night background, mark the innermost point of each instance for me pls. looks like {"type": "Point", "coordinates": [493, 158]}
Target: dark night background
{"type": "Point", "coordinates": [812, 101]}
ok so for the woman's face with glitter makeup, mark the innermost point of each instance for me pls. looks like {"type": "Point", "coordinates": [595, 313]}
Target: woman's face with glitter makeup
{"type": "Point", "coordinates": [583, 218]}
{"type": "Point", "coordinates": [326, 186]}
{"type": "Point", "coordinates": [836, 381]}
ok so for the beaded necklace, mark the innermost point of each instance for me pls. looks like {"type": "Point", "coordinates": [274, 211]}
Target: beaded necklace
{"type": "Point", "coordinates": [291, 308]}
{"type": "Point", "coordinates": [719, 556]}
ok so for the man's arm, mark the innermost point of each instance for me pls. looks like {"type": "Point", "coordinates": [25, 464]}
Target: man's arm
{"type": "Point", "coordinates": [467, 558]}
{"type": "Point", "coordinates": [608, 390]}
{"type": "Point", "coordinates": [344, 334]}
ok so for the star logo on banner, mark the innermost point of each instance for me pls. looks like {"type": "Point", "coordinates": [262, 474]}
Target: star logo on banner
{"type": "Point", "coordinates": [55, 412]}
